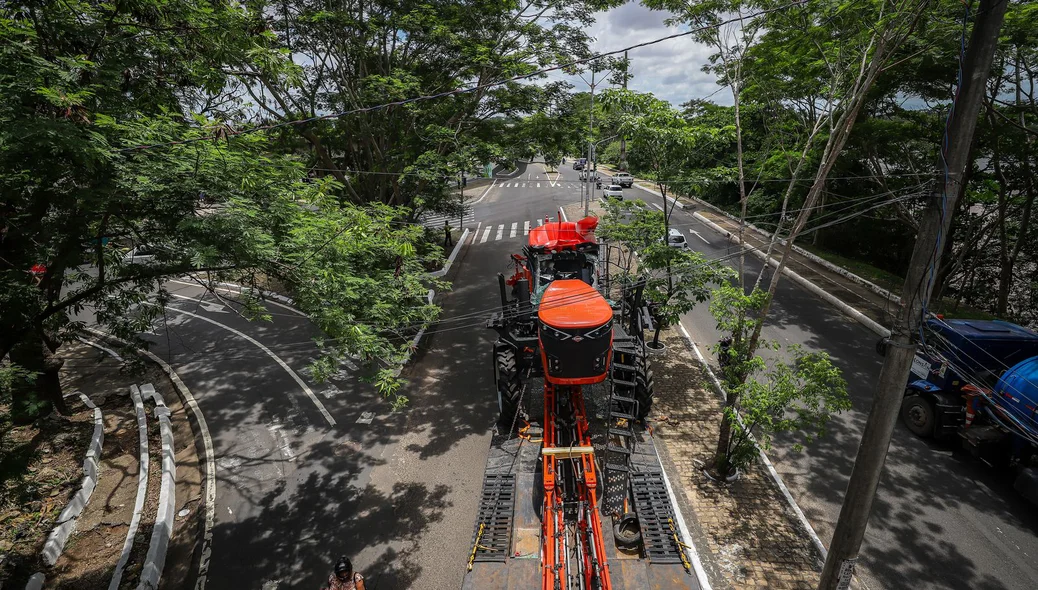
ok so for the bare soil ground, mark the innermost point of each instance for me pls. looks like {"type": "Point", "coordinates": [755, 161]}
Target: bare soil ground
{"type": "Point", "coordinates": [92, 552]}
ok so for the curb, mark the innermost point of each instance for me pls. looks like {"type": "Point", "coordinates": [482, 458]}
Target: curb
{"type": "Point", "coordinates": [163, 530]}
{"type": "Point", "coordinates": [210, 457]}
{"type": "Point", "coordinates": [142, 487]}
{"type": "Point", "coordinates": [686, 538]}
{"type": "Point", "coordinates": [815, 540]}
{"type": "Point", "coordinates": [454, 254]}
{"type": "Point", "coordinates": [36, 582]}
{"type": "Point", "coordinates": [813, 257]}
{"type": "Point", "coordinates": [67, 519]}
{"type": "Point", "coordinates": [813, 288]}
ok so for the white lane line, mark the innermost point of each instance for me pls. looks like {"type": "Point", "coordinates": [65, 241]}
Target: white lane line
{"type": "Point", "coordinates": [485, 192]}
{"type": "Point", "coordinates": [538, 184]}
{"type": "Point", "coordinates": [500, 232]}
{"type": "Point", "coordinates": [511, 234]}
{"type": "Point", "coordinates": [526, 228]}
{"type": "Point", "coordinates": [507, 185]}
{"type": "Point", "coordinates": [657, 206]}
{"type": "Point", "coordinates": [540, 222]}
{"type": "Point", "coordinates": [476, 233]}
{"type": "Point", "coordinates": [698, 236]}
{"type": "Point", "coordinates": [238, 292]}
{"type": "Point", "coordinates": [306, 389]}
{"type": "Point", "coordinates": [486, 234]}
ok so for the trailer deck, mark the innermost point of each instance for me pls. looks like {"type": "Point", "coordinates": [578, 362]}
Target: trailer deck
{"type": "Point", "coordinates": [507, 546]}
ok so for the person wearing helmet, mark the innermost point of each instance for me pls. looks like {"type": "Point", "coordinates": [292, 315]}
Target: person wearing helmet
{"type": "Point", "coordinates": [344, 577]}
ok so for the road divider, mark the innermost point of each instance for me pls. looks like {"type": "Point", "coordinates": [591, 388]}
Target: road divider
{"type": "Point", "coordinates": [59, 535]}
{"type": "Point", "coordinates": [142, 487]}
{"type": "Point", "coordinates": [163, 530]}
{"type": "Point", "coordinates": [207, 445]}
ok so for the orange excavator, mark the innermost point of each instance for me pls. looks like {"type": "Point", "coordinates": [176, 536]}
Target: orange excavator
{"type": "Point", "coordinates": [559, 326]}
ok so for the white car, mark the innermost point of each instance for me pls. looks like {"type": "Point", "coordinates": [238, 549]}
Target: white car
{"type": "Point", "coordinates": [676, 239]}
{"type": "Point", "coordinates": [623, 179]}
{"type": "Point", "coordinates": [140, 255]}
{"type": "Point", "coordinates": [613, 191]}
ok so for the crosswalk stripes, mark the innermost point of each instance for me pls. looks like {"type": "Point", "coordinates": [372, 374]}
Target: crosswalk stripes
{"type": "Point", "coordinates": [511, 234]}
{"type": "Point", "coordinates": [437, 220]}
{"type": "Point", "coordinates": [500, 232]}
{"type": "Point", "coordinates": [526, 228]}
{"type": "Point", "coordinates": [486, 234]}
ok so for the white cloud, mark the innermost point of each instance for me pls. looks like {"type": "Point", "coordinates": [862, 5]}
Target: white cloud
{"type": "Point", "coordinates": [671, 70]}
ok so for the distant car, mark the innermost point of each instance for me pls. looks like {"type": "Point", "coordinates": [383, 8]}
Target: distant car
{"type": "Point", "coordinates": [676, 239]}
{"type": "Point", "coordinates": [140, 255]}
{"type": "Point", "coordinates": [623, 179]}
{"type": "Point", "coordinates": [578, 165]}
{"type": "Point", "coordinates": [613, 191]}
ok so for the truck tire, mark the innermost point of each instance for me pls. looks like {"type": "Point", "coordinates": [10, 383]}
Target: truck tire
{"type": "Point", "coordinates": [509, 385]}
{"type": "Point", "coordinates": [627, 531]}
{"type": "Point", "coordinates": [644, 390]}
{"type": "Point", "coordinates": [918, 414]}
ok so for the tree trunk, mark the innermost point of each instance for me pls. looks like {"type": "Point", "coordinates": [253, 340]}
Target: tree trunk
{"type": "Point", "coordinates": [33, 399]}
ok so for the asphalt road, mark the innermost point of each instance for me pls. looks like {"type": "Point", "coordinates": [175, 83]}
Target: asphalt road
{"type": "Point", "coordinates": [941, 519]}
{"type": "Point", "coordinates": [303, 476]}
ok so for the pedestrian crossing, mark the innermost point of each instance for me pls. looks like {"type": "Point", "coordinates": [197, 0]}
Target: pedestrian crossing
{"type": "Point", "coordinates": [437, 219]}
{"type": "Point", "coordinates": [495, 232]}
{"type": "Point", "coordinates": [560, 184]}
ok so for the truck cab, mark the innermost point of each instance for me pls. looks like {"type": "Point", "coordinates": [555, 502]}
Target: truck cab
{"type": "Point", "coordinates": [980, 350]}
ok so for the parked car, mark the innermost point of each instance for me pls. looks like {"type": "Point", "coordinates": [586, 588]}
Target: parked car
{"type": "Point", "coordinates": [142, 254]}
{"type": "Point", "coordinates": [613, 191]}
{"type": "Point", "coordinates": [676, 239]}
{"type": "Point", "coordinates": [623, 179]}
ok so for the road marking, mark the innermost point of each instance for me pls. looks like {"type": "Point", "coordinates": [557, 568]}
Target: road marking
{"type": "Point", "coordinates": [515, 225]}
{"type": "Point", "coordinates": [657, 206]}
{"type": "Point", "coordinates": [500, 232]}
{"type": "Point", "coordinates": [538, 184]}
{"type": "Point", "coordinates": [238, 292]}
{"type": "Point", "coordinates": [306, 389]}
{"type": "Point", "coordinates": [526, 228]}
{"type": "Point", "coordinates": [507, 185]}
{"type": "Point", "coordinates": [698, 236]}
{"type": "Point", "coordinates": [282, 441]}
{"type": "Point", "coordinates": [485, 192]}
{"type": "Point", "coordinates": [540, 222]}
{"type": "Point", "coordinates": [476, 233]}
{"type": "Point", "coordinates": [486, 234]}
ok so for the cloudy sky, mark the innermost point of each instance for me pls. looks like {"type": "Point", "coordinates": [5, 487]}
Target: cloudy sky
{"type": "Point", "coordinates": [671, 70]}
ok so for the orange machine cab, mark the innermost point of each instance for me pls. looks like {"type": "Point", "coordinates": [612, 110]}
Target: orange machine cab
{"type": "Point", "coordinates": [575, 324]}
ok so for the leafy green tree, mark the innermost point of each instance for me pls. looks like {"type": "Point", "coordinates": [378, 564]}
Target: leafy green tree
{"type": "Point", "coordinates": [82, 85]}
{"type": "Point", "coordinates": [797, 397]}
{"type": "Point", "coordinates": [676, 279]}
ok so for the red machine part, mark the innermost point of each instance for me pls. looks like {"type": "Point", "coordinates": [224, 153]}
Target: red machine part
{"type": "Point", "coordinates": [584, 527]}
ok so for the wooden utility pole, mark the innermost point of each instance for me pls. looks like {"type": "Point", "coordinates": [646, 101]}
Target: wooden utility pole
{"type": "Point", "coordinates": [926, 259]}
{"type": "Point", "coordinates": [623, 140]}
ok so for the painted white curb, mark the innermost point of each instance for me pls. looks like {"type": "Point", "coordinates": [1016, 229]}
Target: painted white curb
{"type": "Point", "coordinates": [686, 538]}
{"type": "Point", "coordinates": [815, 540]}
{"type": "Point", "coordinates": [813, 288]}
{"type": "Point", "coordinates": [210, 457]}
{"type": "Point", "coordinates": [142, 487]}
{"type": "Point", "coordinates": [454, 254]}
{"type": "Point", "coordinates": [67, 519]}
{"type": "Point", "coordinates": [813, 257]}
{"type": "Point", "coordinates": [104, 349]}
{"type": "Point", "coordinates": [36, 582]}
{"type": "Point", "coordinates": [163, 531]}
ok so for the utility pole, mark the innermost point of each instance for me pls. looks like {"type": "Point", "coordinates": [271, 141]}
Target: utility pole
{"type": "Point", "coordinates": [929, 246]}
{"type": "Point", "coordinates": [623, 140]}
{"type": "Point", "coordinates": [590, 140]}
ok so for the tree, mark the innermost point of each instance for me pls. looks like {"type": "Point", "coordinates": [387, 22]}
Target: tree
{"type": "Point", "coordinates": [675, 279]}
{"type": "Point", "coordinates": [82, 86]}
{"type": "Point", "coordinates": [795, 396]}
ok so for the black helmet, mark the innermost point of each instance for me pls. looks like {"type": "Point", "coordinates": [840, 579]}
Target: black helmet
{"type": "Point", "coordinates": [343, 569]}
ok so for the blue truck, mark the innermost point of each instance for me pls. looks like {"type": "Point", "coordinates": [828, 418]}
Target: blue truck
{"type": "Point", "coordinates": [977, 381]}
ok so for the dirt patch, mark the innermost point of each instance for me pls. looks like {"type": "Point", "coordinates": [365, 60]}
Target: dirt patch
{"type": "Point", "coordinates": [92, 552]}
{"type": "Point", "coordinates": [41, 468]}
